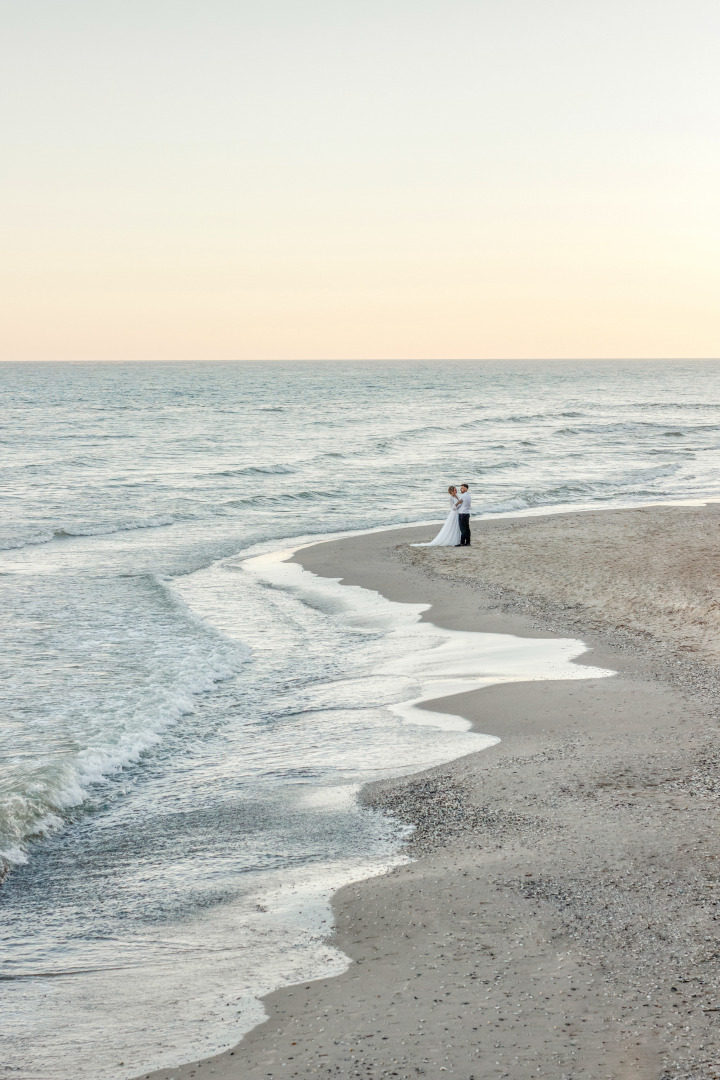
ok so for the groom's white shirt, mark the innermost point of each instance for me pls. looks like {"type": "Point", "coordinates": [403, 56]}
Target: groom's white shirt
{"type": "Point", "coordinates": [465, 503]}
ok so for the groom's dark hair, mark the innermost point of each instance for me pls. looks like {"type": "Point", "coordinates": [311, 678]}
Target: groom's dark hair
{"type": "Point", "coordinates": [465, 485]}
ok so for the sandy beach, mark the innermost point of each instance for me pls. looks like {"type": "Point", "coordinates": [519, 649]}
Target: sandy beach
{"type": "Point", "coordinates": [559, 917]}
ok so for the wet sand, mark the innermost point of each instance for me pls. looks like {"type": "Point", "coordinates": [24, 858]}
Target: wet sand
{"type": "Point", "coordinates": [559, 919]}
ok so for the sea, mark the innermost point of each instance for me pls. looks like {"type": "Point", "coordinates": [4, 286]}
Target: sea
{"type": "Point", "coordinates": [187, 718]}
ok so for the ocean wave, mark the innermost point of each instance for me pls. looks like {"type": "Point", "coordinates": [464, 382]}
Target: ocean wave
{"type": "Point", "coordinates": [674, 407]}
{"type": "Point", "coordinates": [271, 500]}
{"type": "Point", "coordinates": [643, 476]}
{"type": "Point", "coordinates": [257, 470]}
{"type": "Point", "coordinates": [37, 796]}
{"type": "Point", "coordinates": [44, 467]}
{"type": "Point", "coordinates": [481, 421]}
{"type": "Point", "coordinates": [582, 490]}
{"type": "Point", "coordinates": [519, 418]}
{"type": "Point", "coordinates": [14, 543]}
{"type": "Point", "coordinates": [640, 427]}
{"type": "Point", "coordinates": [505, 507]}
{"type": "Point", "coordinates": [481, 470]}
{"type": "Point", "coordinates": [522, 418]}
{"type": "Point", "coordinates": [406, 436]}
{"type": "Point", "coordinates": [113, 527]}
{"type": "Point", "coordinates": [588, 488]}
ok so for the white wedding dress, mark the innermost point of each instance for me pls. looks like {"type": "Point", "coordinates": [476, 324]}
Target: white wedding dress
{"type": "Point", "coordinates": [449, 535]}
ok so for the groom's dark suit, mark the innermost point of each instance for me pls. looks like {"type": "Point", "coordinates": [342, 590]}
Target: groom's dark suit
{"type": "Point", "coordinates": [464, 519]}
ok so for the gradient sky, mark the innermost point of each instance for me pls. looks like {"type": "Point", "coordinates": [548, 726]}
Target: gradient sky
{"type": "Point", "coordinates": [205, 179]}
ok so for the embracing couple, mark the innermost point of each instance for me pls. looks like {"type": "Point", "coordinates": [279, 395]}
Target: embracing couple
{"type": "Point", "coordinates": [456, 530]}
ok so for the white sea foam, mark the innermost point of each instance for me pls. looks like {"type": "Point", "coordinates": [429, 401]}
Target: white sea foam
{"type": "Point", "coordinates": [440, 661]}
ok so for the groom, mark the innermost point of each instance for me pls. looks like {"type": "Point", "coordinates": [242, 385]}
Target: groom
{"type": "Point", "coordinates": [463, 508]}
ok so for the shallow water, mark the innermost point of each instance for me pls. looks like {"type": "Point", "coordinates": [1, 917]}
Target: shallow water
{"type": "Point", "coordinates": [184, 726]}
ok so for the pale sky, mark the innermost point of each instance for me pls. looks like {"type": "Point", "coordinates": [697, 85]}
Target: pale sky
{"type": "Point", "coordinates": [216, 180]}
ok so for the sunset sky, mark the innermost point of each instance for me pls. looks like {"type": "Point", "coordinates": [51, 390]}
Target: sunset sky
{"type": "Point", "coordinates": [217, 180]}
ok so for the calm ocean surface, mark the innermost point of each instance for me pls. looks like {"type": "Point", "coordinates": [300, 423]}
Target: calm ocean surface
{"type": "Point", "coordinates": [183, 728]}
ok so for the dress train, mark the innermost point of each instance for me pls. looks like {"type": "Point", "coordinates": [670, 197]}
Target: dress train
{"type": "Point", "coordinates": [449, 535]}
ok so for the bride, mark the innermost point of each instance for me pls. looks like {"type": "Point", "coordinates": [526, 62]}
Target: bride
{"type": "Point", "coordinates": [449, 535]}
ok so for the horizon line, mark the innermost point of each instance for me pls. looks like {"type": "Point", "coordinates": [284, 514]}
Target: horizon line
{"type": "Point", "coordinates": [391, 360]}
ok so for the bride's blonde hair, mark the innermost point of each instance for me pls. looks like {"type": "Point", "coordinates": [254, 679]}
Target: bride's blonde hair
{"type": "Point", "coordinates": [451, 489]}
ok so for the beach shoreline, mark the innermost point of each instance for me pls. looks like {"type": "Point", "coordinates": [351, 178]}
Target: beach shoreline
{"type": "Point", "coordinates": [559, 917]}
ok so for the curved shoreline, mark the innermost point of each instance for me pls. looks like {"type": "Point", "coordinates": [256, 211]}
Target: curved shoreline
{"type": "Point", "coordinates": [495, 953]}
